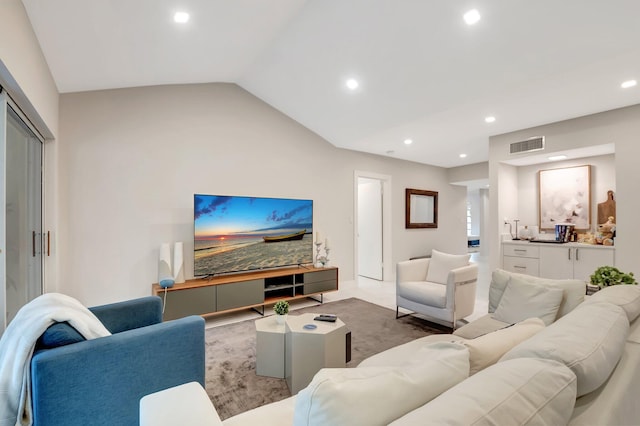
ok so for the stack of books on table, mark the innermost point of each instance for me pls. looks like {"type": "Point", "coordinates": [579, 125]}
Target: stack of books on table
{"type": "Point", "coordinates": [592, 289]}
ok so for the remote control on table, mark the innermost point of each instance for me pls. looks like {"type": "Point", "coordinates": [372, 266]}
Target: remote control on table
{"type": "Point", "coordinates": [326, 317]}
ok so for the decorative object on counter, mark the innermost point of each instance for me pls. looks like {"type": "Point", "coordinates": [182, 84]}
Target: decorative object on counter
{"type": "Point", "coordinates": [565, 197]}
{"type": "Point", "coordinates": [281, 309]}
{"type": "Point", "coordinates": [516, 222]}
{"type": "Point", "coordinates": [606, 232]}
{"type": "Point", "coordinates": [526, 234]}
{"type": "Point", "coordinates": [606, 276]}
{"type": "Point", "coordinates": [565, 232]}
{"type": "Point", "coordinates": [607, 208]}
{"type": "Point", "coordinates": [587, 238]}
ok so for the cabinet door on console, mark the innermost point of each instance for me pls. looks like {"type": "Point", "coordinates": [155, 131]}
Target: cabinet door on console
{"type": "Point", "coordinates": [237, 295]}
{"type": "Point", "coordinates": [193, 301]}
{"type": "Point", "coordinates": [317, 282]}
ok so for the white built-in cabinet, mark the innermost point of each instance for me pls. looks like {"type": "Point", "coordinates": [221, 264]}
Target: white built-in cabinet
{"type": "Point", "coordinates": [556, 261]}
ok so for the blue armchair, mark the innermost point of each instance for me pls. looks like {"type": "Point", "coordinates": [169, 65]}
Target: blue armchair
{"type": "Point", "coordinates": [100, 381]}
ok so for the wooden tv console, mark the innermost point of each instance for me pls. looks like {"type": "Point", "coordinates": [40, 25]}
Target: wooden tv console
{"type": "Point", "coordinates": [226, 293]}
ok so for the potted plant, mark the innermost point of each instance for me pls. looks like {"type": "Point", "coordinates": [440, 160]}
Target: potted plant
{"type": "Point", "coordinates": [606, 276]}
{"type": "Point", "coordinates": [281, 308]}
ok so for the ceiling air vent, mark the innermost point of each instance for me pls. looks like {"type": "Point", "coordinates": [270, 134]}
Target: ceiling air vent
{"type": "Point", "coordinates": [531, 144]}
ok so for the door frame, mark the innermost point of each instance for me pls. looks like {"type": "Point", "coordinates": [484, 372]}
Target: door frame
{"type": "Point", "coordinates": [387, 270]}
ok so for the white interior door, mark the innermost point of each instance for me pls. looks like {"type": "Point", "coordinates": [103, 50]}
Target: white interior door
{"type": "Point", "coordinates": [370, 228]}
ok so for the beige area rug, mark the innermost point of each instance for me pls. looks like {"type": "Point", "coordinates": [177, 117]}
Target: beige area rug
{"type": "Point", "coordinates": [231, 380]}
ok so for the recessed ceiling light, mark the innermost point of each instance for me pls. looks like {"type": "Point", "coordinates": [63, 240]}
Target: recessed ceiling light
{"type": "Point", "coordinates": [181, 17]}
{"type": "Point", "coordinates": [628, 83]}
{"type": "Point", "coordinates": [352, 84]}
{"type": "Point", "coordinates": [489, 119]}
{"type": "Point", "coordinates": [472, 17]}
{"type": "Point", "coordinates": [408, 141]}
{"type": "Point", "coordinates": [463, 155]}
{"type": "Point", "coordinates": [557, 157]}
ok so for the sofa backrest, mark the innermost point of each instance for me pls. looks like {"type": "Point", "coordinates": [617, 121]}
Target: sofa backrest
{"type": "Point", "coordinates": [573, 290]}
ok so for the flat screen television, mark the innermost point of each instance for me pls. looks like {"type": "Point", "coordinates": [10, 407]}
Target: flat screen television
{"type": "Point", "coordinates": [237, 234]}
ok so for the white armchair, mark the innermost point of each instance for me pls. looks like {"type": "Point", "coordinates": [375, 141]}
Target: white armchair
{"type": "Point", "coordinates": [444, 294]}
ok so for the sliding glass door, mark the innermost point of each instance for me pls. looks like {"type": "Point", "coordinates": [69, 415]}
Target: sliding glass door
{"type": "Point", "coordinates": [21, 272]}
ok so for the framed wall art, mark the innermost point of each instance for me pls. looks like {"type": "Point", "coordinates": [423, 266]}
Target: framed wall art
{"type": "Point", "coordinates": [565, 197]}
{"type": "Point", "coordinates": [421, 208]}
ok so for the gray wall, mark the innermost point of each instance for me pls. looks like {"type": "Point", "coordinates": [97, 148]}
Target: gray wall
{"type": "Point", "coordinates": [130, 161]}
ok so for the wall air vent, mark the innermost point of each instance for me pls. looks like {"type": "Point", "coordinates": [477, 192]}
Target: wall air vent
{"type": "Point", "coordinates": [531, 144]}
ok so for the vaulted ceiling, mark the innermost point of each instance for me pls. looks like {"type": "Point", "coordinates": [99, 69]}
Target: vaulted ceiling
{"type": "Point", "coordinates": [423, 73]}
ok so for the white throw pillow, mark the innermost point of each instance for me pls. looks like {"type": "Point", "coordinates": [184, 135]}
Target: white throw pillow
{"type": "Point", "coordinates": [589, 340]}
{"type": "Point", "coordinates": [441, 264]}
{"type": "Point", "coordinates": [371, 396]}
{"type": "Point", "coordinates": [518, 392]}
{"type": "Point", "coordinates": [573, 290]}
{"type": "Point", "coordinates": [625, 296]}
{"type": "Point", "coordinates": [486, 350]}
{"type": "Point", "coordinates": [522, 300]}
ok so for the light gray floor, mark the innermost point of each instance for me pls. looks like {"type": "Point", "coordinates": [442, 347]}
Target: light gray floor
{"type": "Point", "coordinates": [382, 293]}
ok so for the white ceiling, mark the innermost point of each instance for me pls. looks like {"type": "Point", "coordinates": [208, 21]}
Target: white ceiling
{"type": "Point", "coordinates": [424, 74]}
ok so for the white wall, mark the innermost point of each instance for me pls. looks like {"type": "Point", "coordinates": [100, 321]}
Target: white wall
{"type": "Point", "coordinates": [603, 178]}
{"type": "Point", "coordinates": [130, 161]}
{"type": "Point", "coordinates": [469, 173]}
{"type": "Point", "coordinates": [621, 127]}
{"type": "Point", "coordinates": [20, 53]}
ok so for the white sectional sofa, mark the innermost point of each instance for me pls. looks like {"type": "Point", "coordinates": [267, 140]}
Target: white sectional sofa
{"type": "Point", "coordinates": [524, 363]}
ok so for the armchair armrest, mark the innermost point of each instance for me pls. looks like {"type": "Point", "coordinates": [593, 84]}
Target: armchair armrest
{"type": "Point", "coordinates": [130, 314]}
{"type": "Point", "coordinates": [464, 275]}
{"type": "Point", "coordinates": [461, 290]}
{"type": "Point", "coordinates": [412, 270]}
{"type": "Point", "coordinates": [101, 381]}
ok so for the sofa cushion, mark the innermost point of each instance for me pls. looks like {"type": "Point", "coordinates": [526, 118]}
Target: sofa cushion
{"type": "Point", "coordinates": [400, 355]}
{"type": "Point", "coordinates": [479, 327]}
{"type": "Point", "coordinates": [378, 395]}
{"type": "Point", "coordinates": [517, 392]}
{"type": "Point", "coordinates": [424, 292]}
{"type": "Point", "coordinates": [573, 295]}
{"type": "Point", "coordinates": [58, 334]}
{"type": "Point", "coordinates": [275, 414]}
{"type": "Point", "coordinates": [442, 263]}
{"type": "Point", "coordinates": [589, 340]}
{"type": "Point", "coordinates": [486, 350]}
{"type": "Point", "coordinates": [522, 300]}
{"type": "Point", "coordinates": [625, 296]}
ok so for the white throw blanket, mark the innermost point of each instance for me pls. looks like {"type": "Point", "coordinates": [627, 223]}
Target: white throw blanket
{"type": "Point", "coordinates": [19, 340]}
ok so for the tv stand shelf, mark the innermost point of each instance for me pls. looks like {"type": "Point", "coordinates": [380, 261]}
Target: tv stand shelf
{"type": "Point", "coordinates": [250, 290]}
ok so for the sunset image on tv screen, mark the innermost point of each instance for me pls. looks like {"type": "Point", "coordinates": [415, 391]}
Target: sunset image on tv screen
{"type": "Point", "coordinates": [233, 234]}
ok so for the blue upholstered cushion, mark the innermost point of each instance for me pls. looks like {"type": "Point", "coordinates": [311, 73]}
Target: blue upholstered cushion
{"type": "Point", "coordinates": [59, 334]}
